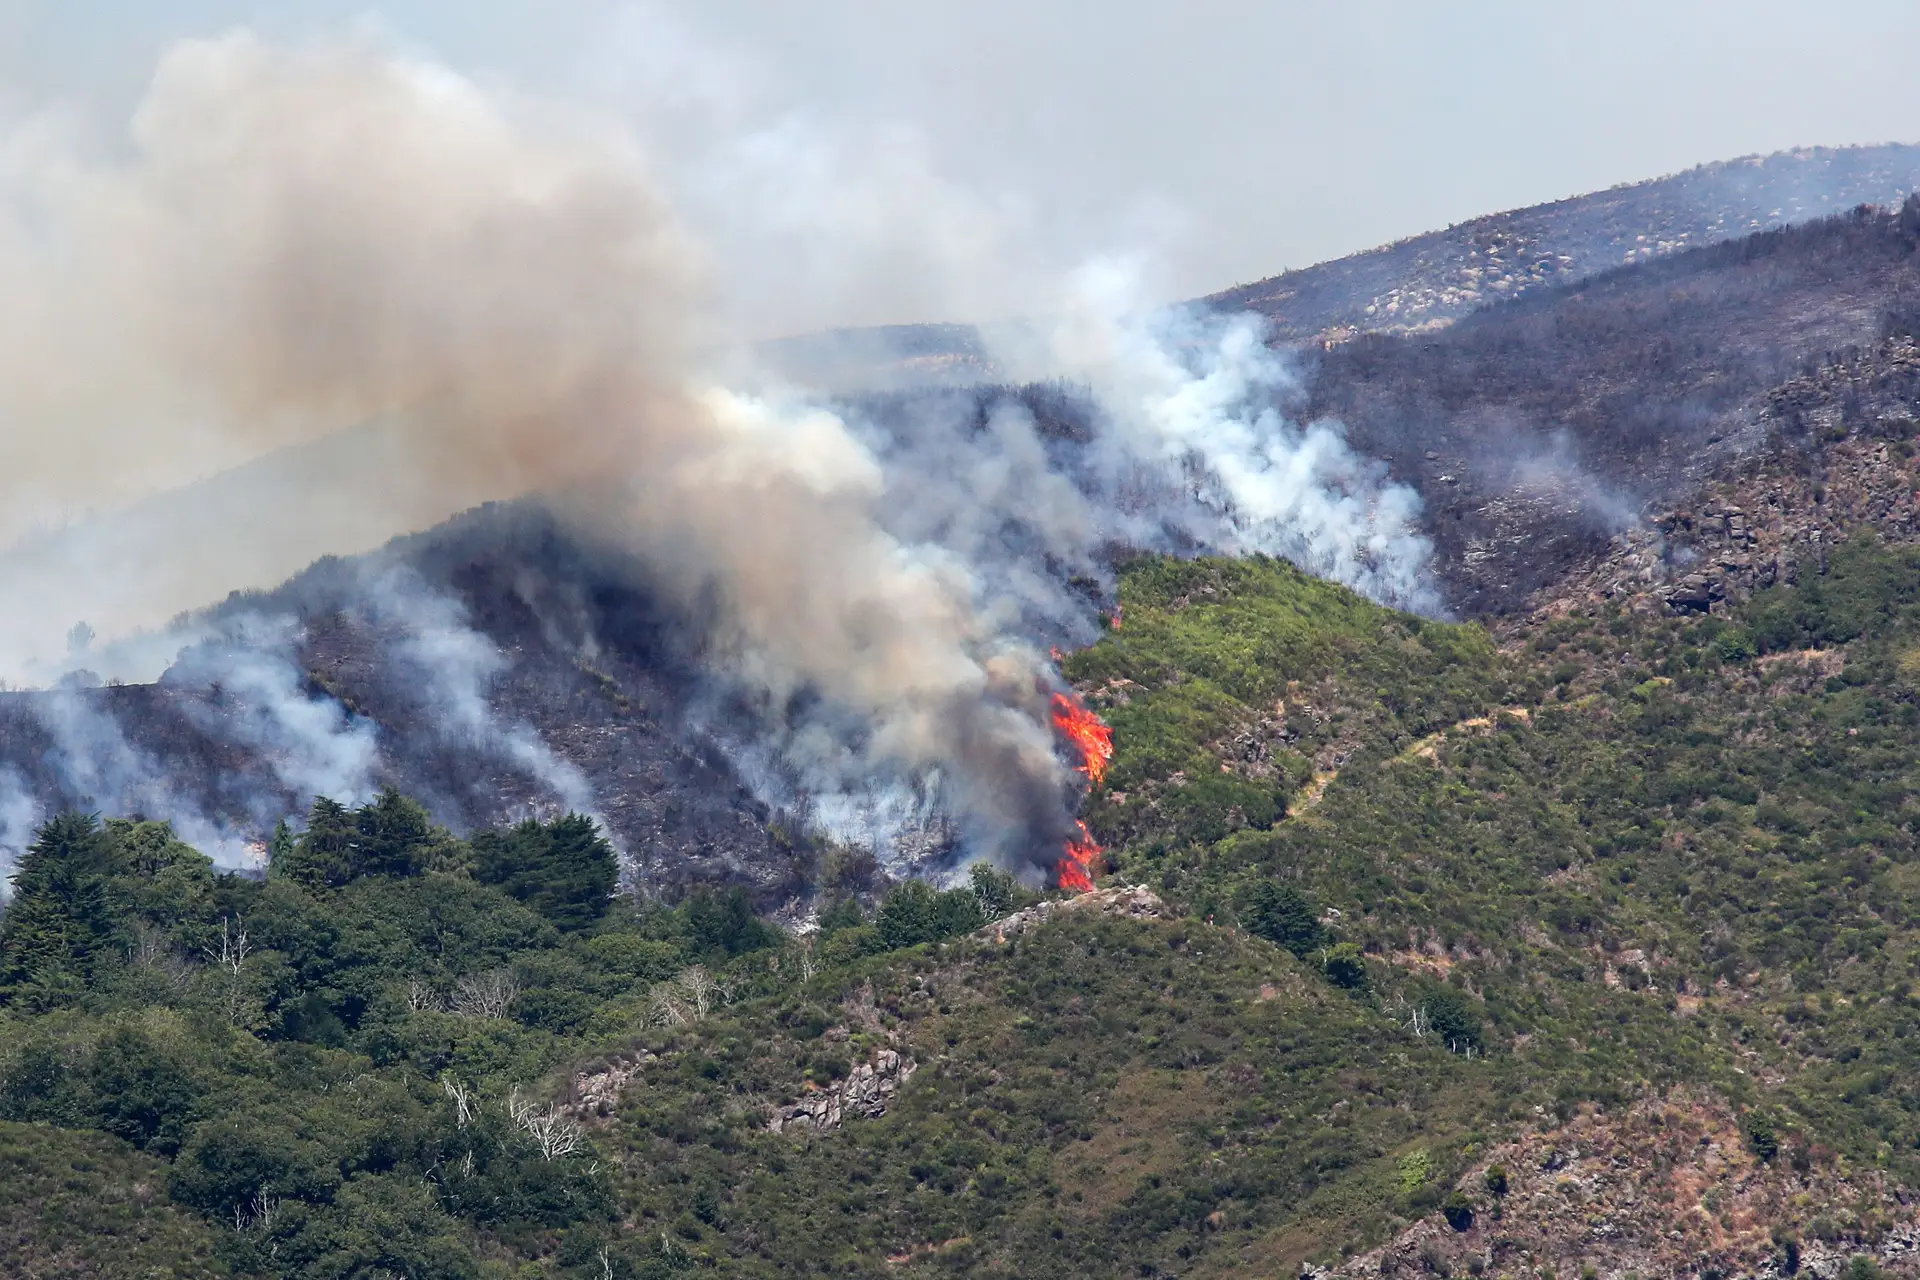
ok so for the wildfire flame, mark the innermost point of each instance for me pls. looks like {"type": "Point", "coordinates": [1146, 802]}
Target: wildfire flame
{"type": "Point", "coordinates": [1087, 732]}
{"type": "Point", "coordinates": [1092, 738]}
{"type": "Point", "coordinates": [1079, 860]}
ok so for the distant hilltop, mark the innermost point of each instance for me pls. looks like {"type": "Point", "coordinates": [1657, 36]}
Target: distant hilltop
{"type": "Point", "coordinates": [1430, 280]}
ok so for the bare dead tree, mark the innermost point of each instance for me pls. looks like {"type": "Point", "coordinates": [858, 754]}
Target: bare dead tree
{"type": "Point", "coordinates": [230, 956]}
{"type": "Point", "coordinates": [257, 1214]}
{"type": "Point", "coordinates": [809, 960]}
{"type": "Point", "coordinates": [552, 1132]}
{"type": "Point", "coordinates": [233, 949]}
{"type": "Point", "coordinates": [666, 1009]}
{"type": "Point", "coordinates": [700, 989]}
{"type": "Point", "coordinates": [465, 1105]}
{"type": "Point", "coordinates": [485, 995]}
{"type": "Point", "coordinates": [422, 997]}
{"type": "Point", "coordinates": [687, 997]}
{"type": "Point", "coordinates": [151, 948]}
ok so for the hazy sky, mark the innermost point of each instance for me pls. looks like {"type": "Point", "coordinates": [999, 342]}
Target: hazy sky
{"type": "Point", "coordinates": [1228, 140]}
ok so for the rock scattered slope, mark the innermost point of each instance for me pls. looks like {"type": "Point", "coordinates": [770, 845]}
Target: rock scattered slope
{"type": "Point", "coordinates": [1667, 1187]}
{"type": "Point", "coordinates": [1431, 280]}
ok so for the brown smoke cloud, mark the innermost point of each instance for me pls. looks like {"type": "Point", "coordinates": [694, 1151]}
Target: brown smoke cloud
{"type": "Point", "coordinates": [306, 241]}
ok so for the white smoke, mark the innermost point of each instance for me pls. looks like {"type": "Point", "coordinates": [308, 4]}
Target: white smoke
{"type": "Point", "coordinates": [1192, 399]}
{"type": "Point", "coordinates": [312, 744]}
{"type": "Point", "coordinates": [101, 771]}
{"type": "Point", "coordinates": [19, 818]}
{"type": "Point", "coordinates": [453, 668]}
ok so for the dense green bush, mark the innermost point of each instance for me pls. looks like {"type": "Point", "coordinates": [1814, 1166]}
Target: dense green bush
{"type": "Point", "coordinates": [915, 912]}
{"type": "Point", "coordinates": [1284, 916]}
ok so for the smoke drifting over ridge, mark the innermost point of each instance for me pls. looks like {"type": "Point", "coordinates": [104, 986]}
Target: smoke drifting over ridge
{"type": "Point", "coordinates": [326, 239]}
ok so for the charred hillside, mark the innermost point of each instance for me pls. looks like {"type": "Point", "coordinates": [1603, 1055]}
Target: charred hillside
{"type": "Point", "coordinates": [1426, 282]}
{"type": "Point", "coordinates": [497, 666]}
{"type": "Point", "coordinates": [1536, 429]}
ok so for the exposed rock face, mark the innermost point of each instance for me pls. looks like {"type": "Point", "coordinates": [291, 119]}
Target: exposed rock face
{"type": "Point", "coordinates": [1840, 459]}
{"type": "Point", "coordinates": [1666, 1188]}
{"type": "Point", "coordinates": [1132, 901]}
{"type": "Point", "coordinates": [595, 1092]}
{"type": "Point", "coordinates": [865, 1092]}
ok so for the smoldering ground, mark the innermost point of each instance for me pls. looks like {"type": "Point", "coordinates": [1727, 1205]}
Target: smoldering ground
{"type": "Point", "coordinates": [453, 293]}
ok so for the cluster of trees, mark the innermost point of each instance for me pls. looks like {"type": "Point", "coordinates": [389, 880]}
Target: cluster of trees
{"type": "Point", "coordinates": [334, 1059]}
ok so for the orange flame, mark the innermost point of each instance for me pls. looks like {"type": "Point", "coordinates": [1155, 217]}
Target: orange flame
{"type": "Point", "coordinates": [1089, 734]}
{"type": "Point", "coordinates": [1081, 859]}
{"type": "Point", "coordinates": [1086, 731]}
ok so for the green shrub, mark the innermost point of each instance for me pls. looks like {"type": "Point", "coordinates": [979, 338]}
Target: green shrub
{"type": "Point", "coordinates": [915, 912]}
{"type": "Point", "coordinates": [1284, 916]}
{"type": "Point", "coordinates": [1346, 966]}
{"type": "Point", "coordinates": [1454, 1019]}
{"type": "Point", "coordinates": [1761, 1138]}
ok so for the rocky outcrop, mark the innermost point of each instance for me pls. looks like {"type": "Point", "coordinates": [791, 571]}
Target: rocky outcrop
{"type": "Point", "coordinates": [1669, 1187]}
{"type": "Point", "coordinates": [1134, 902]}
{"type": "Point", "coordinates": [595, 1092]}
{"type": "Point", "coordinates": [866, 1091]}
{"type": "Point", "coordinates": [1841, 460]}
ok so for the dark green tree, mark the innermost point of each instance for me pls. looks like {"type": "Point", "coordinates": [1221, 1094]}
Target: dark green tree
{"type": "Point", "coordinates": [1346, 966]}
{"type": "Point", "coordinates": [1762, 1139]}
{"type": "Point", "coordinates": [1454, 1019]}
{"type": "Point", "coordinates": [916, 912]}
{"type": "Point", "coordinates": [62, 923]}
{"type": "Point", "coordinates": [140, 1092]}
{"type": "Point", "coordinates": [327, 854]}
{"type": "Point", "coordinates": [842, 913]}
{"type": "Point", "coordinates": [396, 836]}
{"type": "Point", "coordinates": [280, 846]}
{"type": "Point", "coordinates": [996, 890]}
{"type": "Point", "coordinates": [564, 869]}
{"type": "Point", "coordinates": [1283, 916]}
{"type": "Point", "coordinates": [723, 920]}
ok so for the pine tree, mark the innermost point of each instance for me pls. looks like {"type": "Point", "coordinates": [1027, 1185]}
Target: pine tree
{"type": "Point", "coordinates": [326, 855]}
{"type": "Point", "coordinates": [395, 835]}
{"type": "Point", "coordinates": [565, 869]}
{"type": "Point", "coordinates": [62, 921]}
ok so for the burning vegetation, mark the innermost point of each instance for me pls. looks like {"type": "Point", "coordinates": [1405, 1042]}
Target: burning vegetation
{"type": "Point", "coordinates": [1092, 741]}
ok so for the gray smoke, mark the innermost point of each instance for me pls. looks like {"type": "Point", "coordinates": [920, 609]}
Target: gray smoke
{"type": "Point", "coordinates": [452, 294]}
{"type": "Point", "coordinates": [101, 771]}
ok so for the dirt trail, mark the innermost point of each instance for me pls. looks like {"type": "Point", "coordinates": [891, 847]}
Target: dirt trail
{"type": "Point", "coordinates": [1427, 748]}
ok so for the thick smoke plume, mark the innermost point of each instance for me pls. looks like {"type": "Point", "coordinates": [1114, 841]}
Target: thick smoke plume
{"type": "Point", "coordinates": [444, 295]}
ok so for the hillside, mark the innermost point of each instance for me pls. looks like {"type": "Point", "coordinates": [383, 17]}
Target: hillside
{"type": "Point", "coordinates": [1577, 933]}
{"type": "Point", "coordinates": [1582, 944]}
{"type": "Point", "coordinates": [506, 664]}
{"type": "Point", "coordinates": [1537, 429]}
